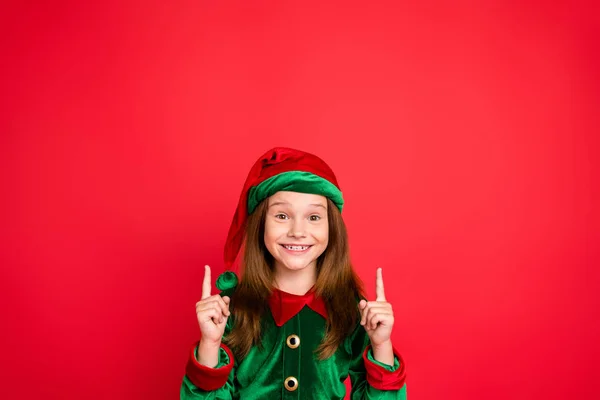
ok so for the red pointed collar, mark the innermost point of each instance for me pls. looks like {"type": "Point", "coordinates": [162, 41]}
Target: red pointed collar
{"type": "Point", "coordinates": [285, 305]}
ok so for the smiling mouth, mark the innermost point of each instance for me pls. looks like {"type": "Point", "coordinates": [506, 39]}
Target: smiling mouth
{"type": "Point", "coordinates": [296, 248]}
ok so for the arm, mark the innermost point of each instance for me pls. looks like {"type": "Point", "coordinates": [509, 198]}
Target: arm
{"type": "Point", "coordinates": [370, 378]}
{"type": "Point", "coordinates": [201, 382]}
{"type": "Point", "coordinates": [210, 370]}
{"type": "Point", "coordinates": [377, 369]}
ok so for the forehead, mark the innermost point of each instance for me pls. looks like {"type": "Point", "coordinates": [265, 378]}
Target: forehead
{"type": "Point", "coordinates": [297, 198]}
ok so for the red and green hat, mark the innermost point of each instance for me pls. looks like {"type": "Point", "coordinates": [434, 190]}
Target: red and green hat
{"type": "Point", "coordinates": [279, 169]}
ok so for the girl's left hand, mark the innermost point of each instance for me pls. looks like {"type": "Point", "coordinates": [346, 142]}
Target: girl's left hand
{"type": "Point", "coordinates": [377, 316]}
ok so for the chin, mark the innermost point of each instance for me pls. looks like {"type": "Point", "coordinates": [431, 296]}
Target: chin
{"type": "Point", "coordinates": [295, 265]}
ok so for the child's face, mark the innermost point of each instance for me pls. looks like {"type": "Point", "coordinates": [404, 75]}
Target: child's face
{"type": "Point", "coordinates": [298, 219]}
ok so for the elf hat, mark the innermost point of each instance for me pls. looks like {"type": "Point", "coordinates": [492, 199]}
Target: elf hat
{"type": "Point", "coordinates": [279, 169]}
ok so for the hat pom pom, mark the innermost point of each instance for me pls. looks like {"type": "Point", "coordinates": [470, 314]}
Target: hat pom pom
{"type": "Point", "coordinates": [227, 280]}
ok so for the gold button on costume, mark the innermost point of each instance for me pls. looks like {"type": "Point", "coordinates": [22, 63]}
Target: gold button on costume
{"type": "Point", "coordinates": [291, 383]}
{"type": "Point", "coordinates": [293, 341]}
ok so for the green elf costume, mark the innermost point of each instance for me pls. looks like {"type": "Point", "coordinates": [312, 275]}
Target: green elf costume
{"type": "Point", "coordinates": [285, 365]}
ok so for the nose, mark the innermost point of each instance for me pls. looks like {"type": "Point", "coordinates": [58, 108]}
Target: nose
{"type": "Point", "coordinates": [297, 228]}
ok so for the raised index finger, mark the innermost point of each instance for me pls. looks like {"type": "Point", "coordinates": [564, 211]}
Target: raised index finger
{"type": "Point", "coordinates": [379, 286]}
{"type": "Point", "coordinates": [206, 284]}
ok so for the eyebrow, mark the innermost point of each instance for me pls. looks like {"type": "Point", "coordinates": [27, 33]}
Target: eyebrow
{"type": "Point", "coordinates": [277, 203]}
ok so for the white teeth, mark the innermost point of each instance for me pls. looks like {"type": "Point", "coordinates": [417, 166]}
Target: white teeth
{"type": "Point", "coordinates": [296, 248]}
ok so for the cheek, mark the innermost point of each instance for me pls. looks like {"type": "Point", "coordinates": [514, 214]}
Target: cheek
{"type": "Point", "coordinates": [324, 235]}
{"type": "Point", "coordinates": [272, 233]}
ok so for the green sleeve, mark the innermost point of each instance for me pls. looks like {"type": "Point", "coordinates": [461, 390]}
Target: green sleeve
{"type": "Point", "coordinates": [361, 390]}
{"type": "Point", "coordinates": [190, 392]}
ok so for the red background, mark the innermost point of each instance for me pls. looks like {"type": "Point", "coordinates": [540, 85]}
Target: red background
{"type": "Point", "coordinates": [464, 136]}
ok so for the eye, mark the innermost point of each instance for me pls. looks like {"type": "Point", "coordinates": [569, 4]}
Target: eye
{"type": "Point", "coordinates": [315, 217]}
{"type": "Point", "coordinates": [281, 216]}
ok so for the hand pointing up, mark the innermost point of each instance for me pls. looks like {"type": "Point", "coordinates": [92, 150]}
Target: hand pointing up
{"type": "Point", "coordinates": [377, 316]}
{"type": "Point", "coordinates": [212, 312]}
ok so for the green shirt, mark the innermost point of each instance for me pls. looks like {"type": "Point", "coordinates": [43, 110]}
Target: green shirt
{"type": "Point", "coordinates": [289, 369]}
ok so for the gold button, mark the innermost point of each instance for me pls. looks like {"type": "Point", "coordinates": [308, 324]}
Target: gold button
{"type": "Point", "coordinates": [293, 341]}
{"type": "Point", "coordinates": [291, 383]}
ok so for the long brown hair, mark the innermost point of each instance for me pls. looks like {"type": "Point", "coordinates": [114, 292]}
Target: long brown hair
{"type": "Point", "coordinates": [337, 284]}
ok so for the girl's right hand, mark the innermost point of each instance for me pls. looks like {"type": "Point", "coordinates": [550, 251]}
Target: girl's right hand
{"type": "Point", "coordinates": [212, 313]}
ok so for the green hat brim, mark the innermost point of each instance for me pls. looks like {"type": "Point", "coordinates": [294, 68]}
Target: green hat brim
{"type": "Point", "coordinates": [294, 181]}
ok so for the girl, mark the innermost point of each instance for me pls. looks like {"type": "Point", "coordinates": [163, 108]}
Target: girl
{"type": "Point", "coordinates": [296, 326]}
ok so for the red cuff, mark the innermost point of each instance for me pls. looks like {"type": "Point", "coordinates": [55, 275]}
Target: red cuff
{"type": "Point", "coordinates": [382, 379]}
{"type": "Point", "coordinates": [207, 378]}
